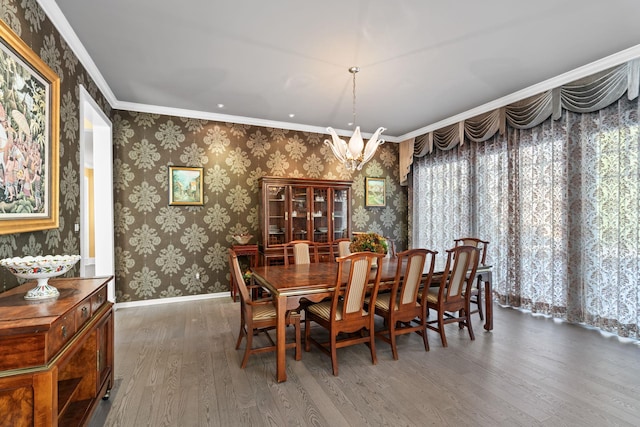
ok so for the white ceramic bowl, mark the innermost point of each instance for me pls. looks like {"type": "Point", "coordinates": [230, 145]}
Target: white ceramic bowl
{"type": "Point", "coordinates": [323, 229]}
{"type": "Point", "coordinates": [40, 268]}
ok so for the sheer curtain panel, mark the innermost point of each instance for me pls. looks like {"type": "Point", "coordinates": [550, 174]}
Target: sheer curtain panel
{"type": "Point", "coordinates": [560, 204]}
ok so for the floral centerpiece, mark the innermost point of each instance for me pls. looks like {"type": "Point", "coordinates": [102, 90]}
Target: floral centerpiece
{"type": "Point", "coordinates": [369, 242]}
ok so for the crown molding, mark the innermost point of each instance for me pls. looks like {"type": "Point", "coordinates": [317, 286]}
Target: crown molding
{"type": "Point", "coordinates": [205, 115]}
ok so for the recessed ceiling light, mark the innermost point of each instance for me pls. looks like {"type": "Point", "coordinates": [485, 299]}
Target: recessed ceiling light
{"type": "Point", "coordinates": [292, 115]}
{"type": "Point", "coordinates": [350, 124]}
{"type": "Point", "coordinates": [220, 105]}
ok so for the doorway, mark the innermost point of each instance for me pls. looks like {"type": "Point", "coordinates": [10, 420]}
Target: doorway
{"type": "Point", "coordinates": [96, 213]}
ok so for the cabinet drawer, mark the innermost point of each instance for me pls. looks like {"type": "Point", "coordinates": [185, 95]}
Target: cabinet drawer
{"type": "Point", "coordinates": [83, 313]}
{"type": "Point", "coordinates": [61, 332]}
{"type": "Point", "coordinates": [98, 299]}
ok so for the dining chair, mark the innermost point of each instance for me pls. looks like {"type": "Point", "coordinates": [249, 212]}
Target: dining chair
{"type": "Point", "coordinates": [454, 291]}
{"type": "Point", "coordinates": [401, 308]}
{"type": "Point", "coordinates": [343, 247]}
{"type": "Point", "coordinates": [304, 251]}
{"type": "Point", "coordinates": [259, 316]}
{"type": "Point", "coordinates": [477, 291]}
{"type": "Point", "coordinates": [345, 313]}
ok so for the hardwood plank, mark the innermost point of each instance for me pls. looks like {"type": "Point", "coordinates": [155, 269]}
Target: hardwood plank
{"type": "Point", "coordinates": [176, 365]}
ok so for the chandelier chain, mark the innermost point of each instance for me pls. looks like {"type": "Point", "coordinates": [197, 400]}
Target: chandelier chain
{"type": "Point", "coordinates": [354, 96]}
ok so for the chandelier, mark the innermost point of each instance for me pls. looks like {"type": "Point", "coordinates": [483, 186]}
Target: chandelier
{"type": "Point", "coordinates": [355, 154]}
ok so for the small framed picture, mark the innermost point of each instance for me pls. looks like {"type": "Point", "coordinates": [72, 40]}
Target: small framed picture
{"type": "Point", "coordinates": [185, 186]}
{"type": "Point", "coordinates": [375, 192]}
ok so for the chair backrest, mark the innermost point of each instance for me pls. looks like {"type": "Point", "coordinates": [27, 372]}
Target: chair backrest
{"type": "Point", "coordinates": [459, 273]}
{"type": "Point", "coordinates": [343, 247]}
{"type": "Point", "coordinates": [352, 293]}
{"type": "Point", "coordinates": [301, 252]}
{"type": "Point", "coordinates": [409, 274]}
{"type": "Point", "coordinates": [236, 273]}
{"type": "Point", "coordinates": [474, 241]}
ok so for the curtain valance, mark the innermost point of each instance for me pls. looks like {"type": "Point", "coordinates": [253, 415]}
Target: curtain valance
{"type": "Point", "coordinates": [585, 95]}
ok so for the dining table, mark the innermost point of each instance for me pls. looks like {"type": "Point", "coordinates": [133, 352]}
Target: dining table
{"type": "Point", "coordinates": [316, 281]}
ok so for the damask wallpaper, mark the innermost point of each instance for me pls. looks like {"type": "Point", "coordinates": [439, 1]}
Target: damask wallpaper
{"type": "Point", "coordinates": [161, 249]}
{"type": "Point", "coordinates": [169, 251]}
{"type": "Point", "coordinates": [28, 20]}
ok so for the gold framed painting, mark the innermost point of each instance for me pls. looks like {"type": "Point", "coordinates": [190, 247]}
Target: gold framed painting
{"type": "Point", "coordinates": [185, 186]}
{"type": "Point", "coordinates": [375, 192]}
{"type": "Point", "coordinates": [29, 138]}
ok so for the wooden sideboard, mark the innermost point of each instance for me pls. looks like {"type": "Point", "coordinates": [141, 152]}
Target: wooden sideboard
{"type": "Point", "coordinates": [56, 357]}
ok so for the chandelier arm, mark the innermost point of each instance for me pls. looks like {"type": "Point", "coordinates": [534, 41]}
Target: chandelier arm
{"type": "Point", "coordinates": [354, 154]}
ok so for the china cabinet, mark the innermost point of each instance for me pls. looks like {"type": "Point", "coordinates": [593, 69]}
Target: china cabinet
{"type": "Point", "coordinates": [56, 361]}
{"type": "Point", "coordinates": [302, 209]}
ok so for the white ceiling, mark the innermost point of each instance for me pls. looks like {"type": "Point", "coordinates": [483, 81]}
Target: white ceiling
{"type": "Point", "coordinates": [423, 63]}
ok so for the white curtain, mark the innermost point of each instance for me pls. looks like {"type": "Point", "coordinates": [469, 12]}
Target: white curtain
{"type": "Point", "coordinates": [560, 204]}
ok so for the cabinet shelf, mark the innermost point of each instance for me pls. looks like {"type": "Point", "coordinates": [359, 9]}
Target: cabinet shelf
{"type": "Point", "coordinates": [66, 391]}
{"type": "Point", "coordinates": [75, 414]}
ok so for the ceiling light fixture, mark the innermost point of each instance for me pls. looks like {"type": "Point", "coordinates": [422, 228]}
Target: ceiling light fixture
{"type": "Point", "coordinates": [355, 154]}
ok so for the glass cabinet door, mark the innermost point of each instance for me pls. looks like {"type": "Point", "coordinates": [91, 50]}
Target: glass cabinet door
{"type": "Point", "coordinates": [299, 214]}
{"type": "Point", "coordinates": [277, 215]}
{"type": "Point", "coordinates": [340, 214]}
{"type": "Point", "coordinates": [319, 217]}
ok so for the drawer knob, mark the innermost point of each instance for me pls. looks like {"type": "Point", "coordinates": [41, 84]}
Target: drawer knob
{"type": "Point", "coordinates": [64, 331]}
{"type": "Point", "coordinates": [85, 311]}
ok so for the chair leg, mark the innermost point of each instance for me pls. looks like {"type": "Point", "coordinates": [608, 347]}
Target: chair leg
{"type": "Point", "coordinates": [469, 327]}
{"type": "Point", "coordinates": [240, 335]}
{"type": "Point", "coordinates": [424, 335]}
{"type": "Point", "coordinates": [247, 350]}
{"type": "Point", "coordinates": [443, 338]}
{"type": "Point", "coordinates": [372, 346]}
{"type": "Point", "coordinates": [307, 333]}
{"type": "Point", "coordinates": [392, 340]}
{"type": "Point", "coordinates": [334, 354]}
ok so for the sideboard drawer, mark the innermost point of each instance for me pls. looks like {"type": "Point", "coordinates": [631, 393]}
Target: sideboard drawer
{"type": "Point", "coordinates": [98, 299]}
{"type": "Point", "coordinates": [61, 332]}
{"type": "Point", "coordinates": [83, 313]}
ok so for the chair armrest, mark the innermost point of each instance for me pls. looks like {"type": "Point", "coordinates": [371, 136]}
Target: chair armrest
{"type": "Point", "coordinates": [260, 302]}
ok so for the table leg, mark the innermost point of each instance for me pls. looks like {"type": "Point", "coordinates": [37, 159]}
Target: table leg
{"type": "Point", "coordinates": [488, 301]}
{"type": "Point", "coordinates": [281, 312]}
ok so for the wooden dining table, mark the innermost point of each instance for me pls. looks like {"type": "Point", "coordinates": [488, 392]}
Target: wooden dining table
{"type": "Point", "coordinates": [316, 281]}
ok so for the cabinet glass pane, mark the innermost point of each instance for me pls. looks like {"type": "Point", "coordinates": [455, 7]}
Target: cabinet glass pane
{"type": "Point", "coordinates": [340, 214]}
{"type": "Point", "coordinates": [276, 220]}
{"type": "Point", "coordinates": [299, 213]}
{"type": "Point", "coordinates": [320, 219]}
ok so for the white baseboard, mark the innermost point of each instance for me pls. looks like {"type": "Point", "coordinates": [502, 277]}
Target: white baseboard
{"type": "Point", "coordinates": [157, 301]}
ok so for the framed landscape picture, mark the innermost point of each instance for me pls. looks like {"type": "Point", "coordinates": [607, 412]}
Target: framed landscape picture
{"type": "Point", "coordinates": [185, 186]}
{"type": "Point", "coordinates": [29, 127]}
{"type": "Point", "coordinates": [375, 192]}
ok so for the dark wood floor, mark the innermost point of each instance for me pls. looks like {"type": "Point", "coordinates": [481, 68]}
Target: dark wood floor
{"type": "Point", "coordinates": [176, 366]}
